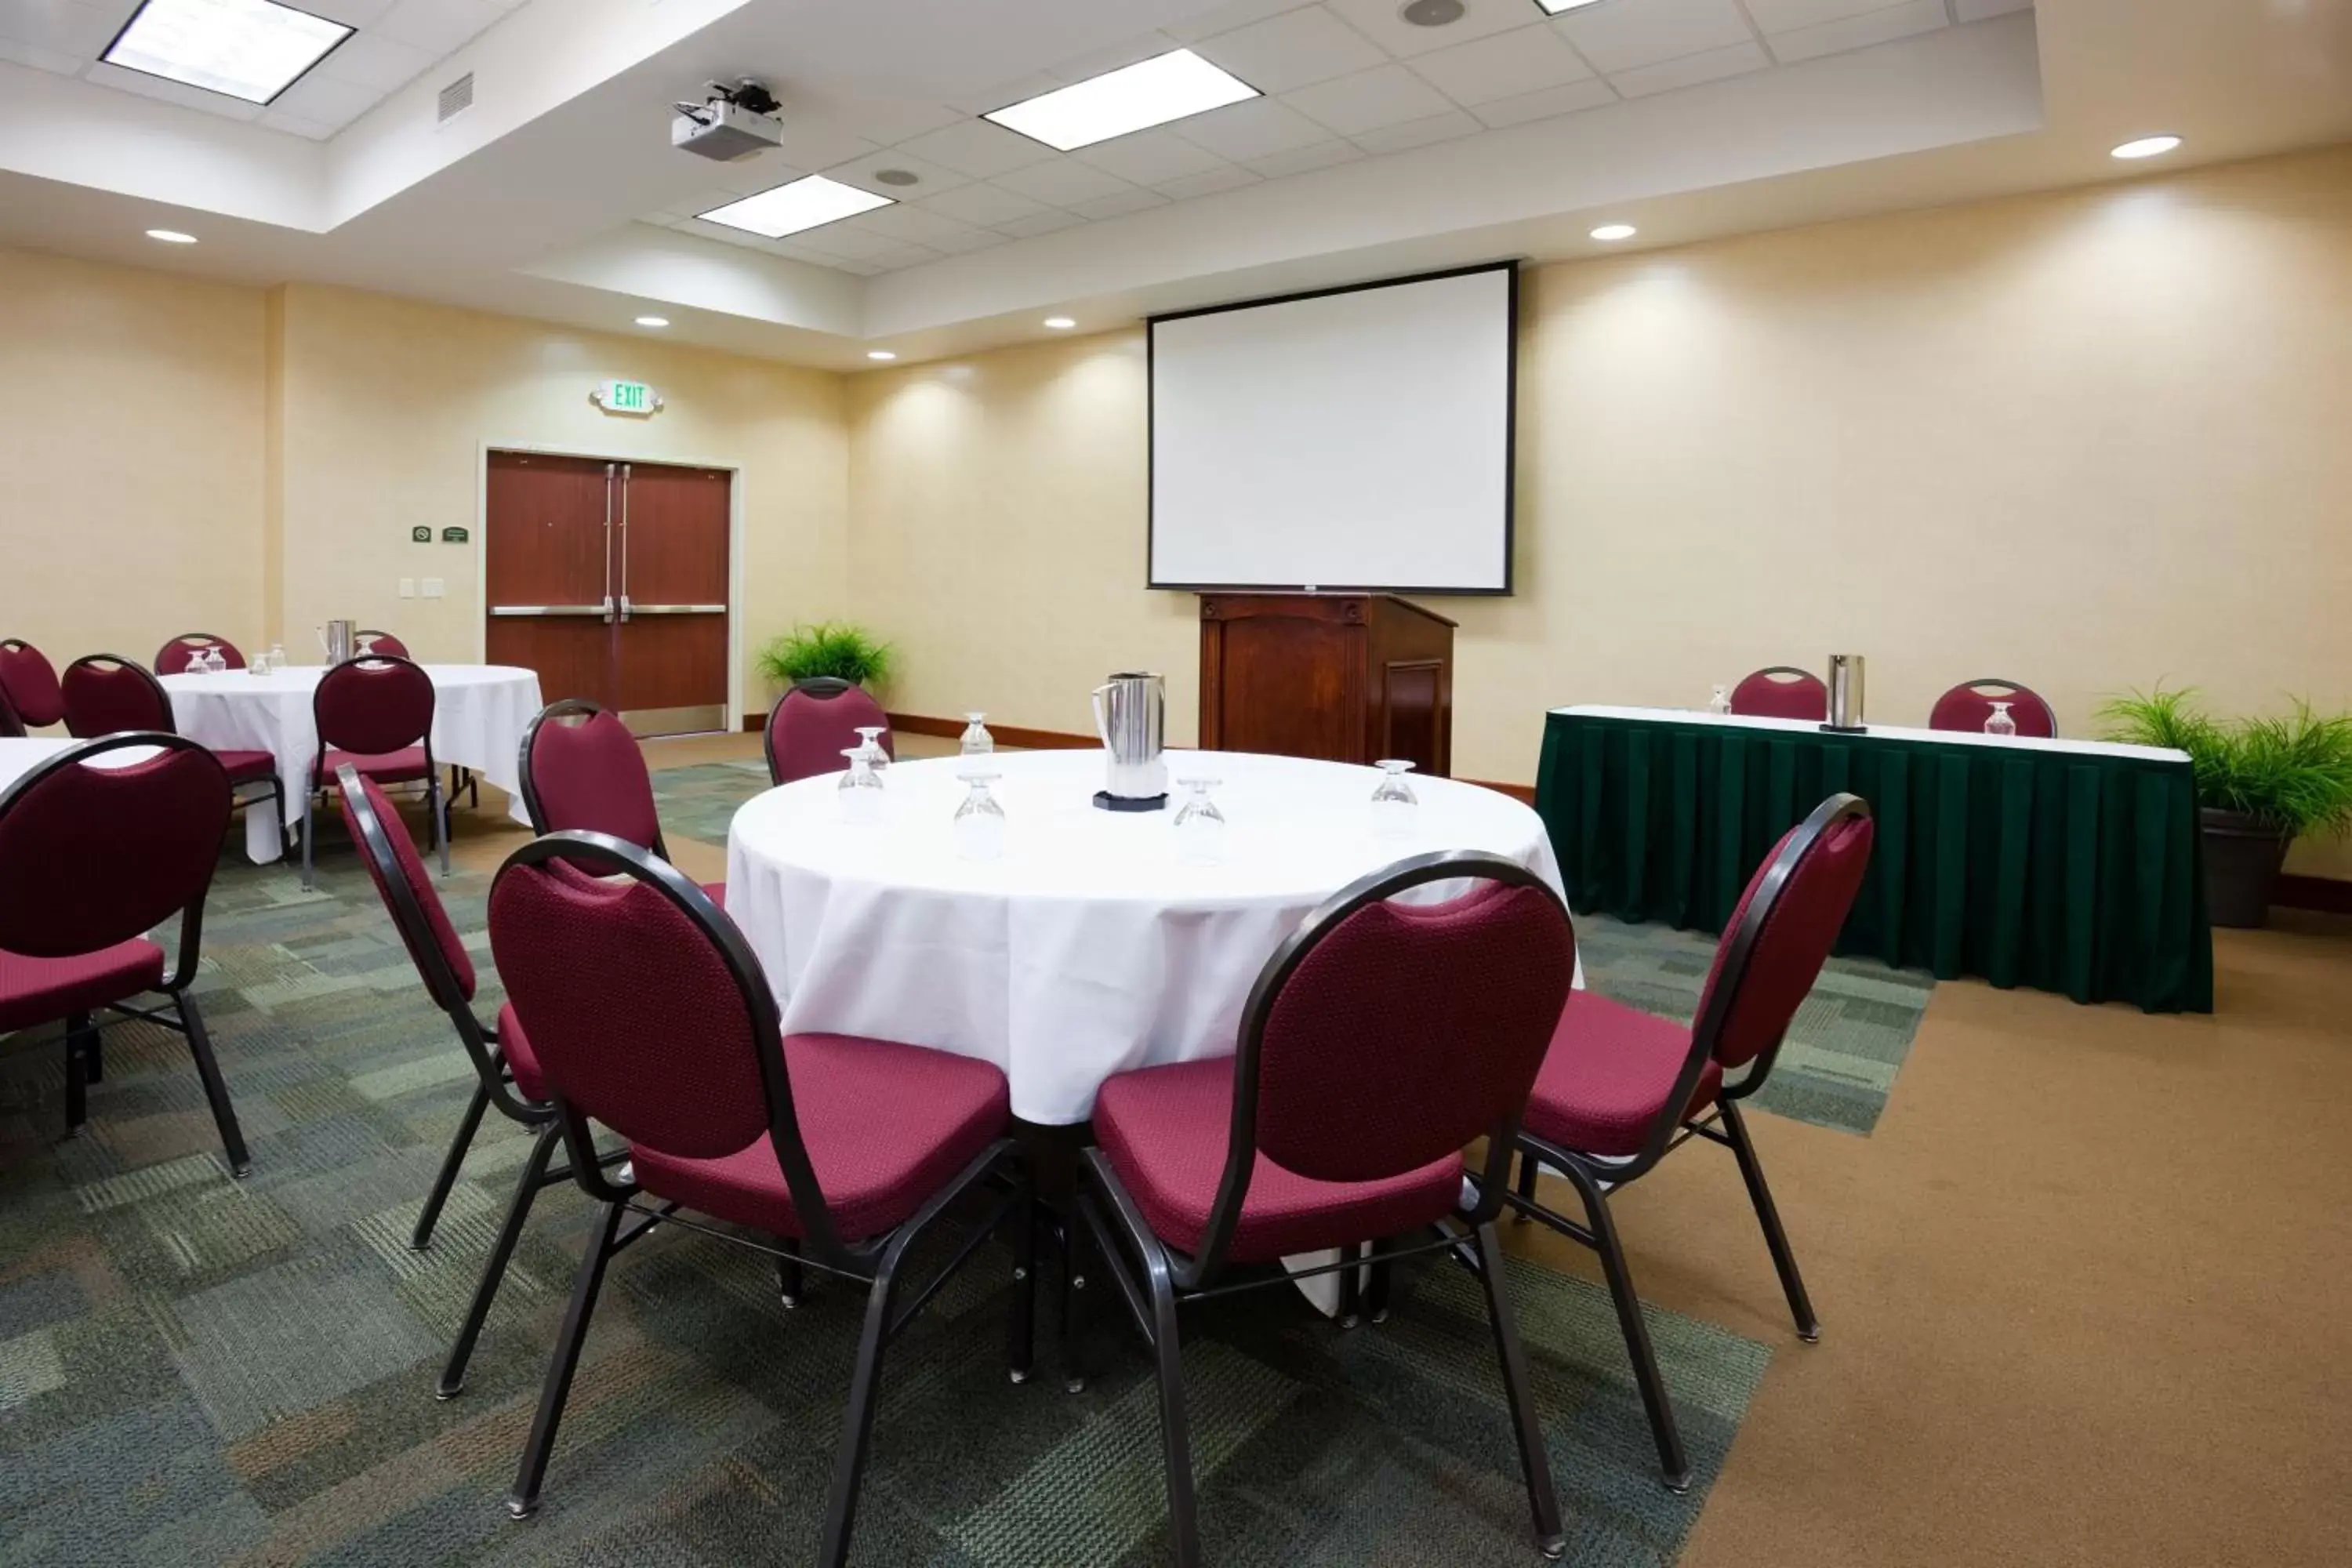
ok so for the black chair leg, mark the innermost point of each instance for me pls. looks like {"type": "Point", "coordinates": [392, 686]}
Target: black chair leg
{"type": "Point", "coordinates": [1376, 1291]}
{"type": "Point", "coordinates": [94, 1057]}
{"type": "Point", "coordinates": [1671, 1459]}
{"type": "Point", "coordinates": [1528, 1169]}
{"type": "Point", "coordinates": [788, 1274]}
{"type": "Point", "coordinates": [1543, 1499]}
{"type": "Point", "coordinates": [439, 804]}
{"type": "Point", "coordinates": [1073, 1232]}
{"type": "Point", "coordinates": [468, 1125]}
{"type": "Point", "coordinates": [1351, 1295]}
{"type": "Point", "coordinates": [524, 1500]}
{"type": "Point", "coordinates": [494, 1268]}
{"type": "Point", "coordinates": [1784, 1261]}
{"type": "Point", "coordinates": [200, 1046]}
{"type": "Point", "coordinates": [857, 1422]}
{"type": "Point", "coordinates": [1175, 1431]}
{"type": "Point", "coordinates": [1021, 1333]}
{"type": "Point", "coordinates": [79, 1034]}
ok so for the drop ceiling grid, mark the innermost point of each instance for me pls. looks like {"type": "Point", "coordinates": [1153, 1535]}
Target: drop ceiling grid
{"type": "Point", "coordinates": [1342, 79]}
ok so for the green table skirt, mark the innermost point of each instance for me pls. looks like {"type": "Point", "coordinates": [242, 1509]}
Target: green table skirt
{"type": "Point", "coordinates": [2063, 871]}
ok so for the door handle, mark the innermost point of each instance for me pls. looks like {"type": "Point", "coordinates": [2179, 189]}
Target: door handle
{"type": "Point", "coordinates": [624, 544]}
{"type": "Point", "coordinates": [606, 608]}
{"type": "Point", "coordinates": [678, 609]}
{"type": "Point", "coordinates": [516, 610]}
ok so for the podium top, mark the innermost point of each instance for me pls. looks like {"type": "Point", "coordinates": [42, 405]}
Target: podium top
{"type": "Point", "coordinates": [1216, 604]}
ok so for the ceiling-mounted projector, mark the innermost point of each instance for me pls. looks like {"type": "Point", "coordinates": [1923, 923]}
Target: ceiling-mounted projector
{"type": "Point", "coordinates": [732, 123]}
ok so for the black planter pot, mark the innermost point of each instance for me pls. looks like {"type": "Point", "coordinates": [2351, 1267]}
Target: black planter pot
{"type": "Point", "coordinates": [2243, 856]}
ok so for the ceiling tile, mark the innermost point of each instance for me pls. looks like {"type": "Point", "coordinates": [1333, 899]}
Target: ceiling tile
{"type": "Point", "coordinates": [1544, 102]}
{"type": "Point", "coordinates": [984, 204]}
{"type": "Point", "coordinates": [858, 268]}
{"type": "Point", "coordinates": [976, 148]}
{"type": "Point", "coordinates": [1132, 199]}
{"type": "Point", "coordinates": [812, 148]}
{"type": "Point", "coordinates": [1379, 20]}
{"type": "Point", "coordinates": [971, 240]}
{"type": "Point", "coordinates": [1295, 49]}
{"type": "Point", "coordinates": [1504, 65]}
{"type": "Point", "coordinates": [1689, 71]}
{"type": "Point", "coordinates": [436, 26]}
{"type": "Point", "coordinates": [916, 226]}
{"type": "Point", "coordinates": [898, 121]}
{"type": "Point", "coordinates": [1386, 95]}
{"type": "Point", "coordinates": [61, 26]}
{"type": "Point", "coordinates": [295, 125]}
{"type": "Point", "coordinates": [1046, 222]}
{"type": "Point", "coordinates": [1097, 62]}
{"type": "Point", "coordinates": [1418, 133]}
{"type": "Point", "coordinates": [1227, 19]}
{"type": "Point", "coordinates": [1224, 177]}
{"type": "Point", "coordinates": [1977, 10]}
{"type": "Point", "coordinates": [842, 239]}
{"type": "Point", "coordinates": [328, 100]}
{"type": "Point", "coordinates": [1064, 181]}
{"type": "Point", "coordinates": [1298, 160]}
{"type": "Point", "coordinates": [1257, 128]}
{"type": "Point", "coordinates": [40, 58]}
{"type": "Point", "coordinates": [373, 60]}
{"type": "Point", "coordinates": [749, 176]}
{"type": "Point", "coordinates": [929, 176]}
{"type": "Point", "coordinates": [995, 98]}
{"type": "Point", "coordinates": [1788, 16]}
{"type": "Point", "coordinates": [1628, 32]}
{"type": "Point", "coordinates": [1149, 157]}
{"type": "Point", "coordinates": [170, 91]}
{"type": "Point", "coordinates": [1882, 25]}
{"type": "Point", "coordinates": [902, 256]}
{"type": "Point", "coordinates": [350, 13]}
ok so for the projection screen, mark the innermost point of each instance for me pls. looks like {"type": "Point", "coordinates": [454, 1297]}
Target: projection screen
{"type": "Point", "coordinates": [1356, 438]}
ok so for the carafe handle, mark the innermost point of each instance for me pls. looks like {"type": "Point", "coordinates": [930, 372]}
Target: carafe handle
{"type": "Point", "coordinates": [1102, 719]}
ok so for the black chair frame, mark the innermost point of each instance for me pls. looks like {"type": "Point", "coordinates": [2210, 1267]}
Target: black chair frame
{"type": "Point", "coordinates": [1169, 1280]}
{"type": "Point", "coordinates": [85, 1063]}
{"type": "Point", "coordinates": [273, 787]}
{"type": "Point", "coordinates": [563, 709]}
{"type": "Point", "coordinates": [1594, 1177]}
{"type": "Point", "coordinates": [435, 800]}
{"type": "Point", "coordinates": [873, 1262]}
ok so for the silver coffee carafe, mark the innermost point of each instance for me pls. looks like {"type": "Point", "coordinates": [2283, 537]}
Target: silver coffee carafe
{"type": "Point", "coordinates": [338, 640]}
{"type": "Point", "coordinates": [1131, 717]}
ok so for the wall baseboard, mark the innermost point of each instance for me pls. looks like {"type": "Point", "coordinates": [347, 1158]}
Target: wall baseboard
{"type": "Point", "coordinates": [2330, 894]}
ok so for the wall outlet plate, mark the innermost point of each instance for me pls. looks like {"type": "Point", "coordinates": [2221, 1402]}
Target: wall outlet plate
{"type": "Point", "coordinates": [433, 588]}
{"type": "Point", "coordinates": [408, 587]}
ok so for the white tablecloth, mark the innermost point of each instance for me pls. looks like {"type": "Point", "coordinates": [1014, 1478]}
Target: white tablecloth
{"type": "Point", "coordinates": [1089, 948]}
{"type": "Point", "coordinates": [480, 712]}
{"type": "Point", "coordinates": [1883, 731]}
{"type": "Point", "coordinates": [20, 755]}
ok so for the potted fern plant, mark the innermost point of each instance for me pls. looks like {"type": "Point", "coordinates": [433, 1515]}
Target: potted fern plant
{"type": "Point", "coordinates": [2262, 783]}
{"type": "Point", "coordinates": [835, 649]}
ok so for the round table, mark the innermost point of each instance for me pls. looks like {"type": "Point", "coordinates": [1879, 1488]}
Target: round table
{"type": "Point", "coordinates": [479, 714]}
{"type": "Point", "coordinates": [1089, 948]}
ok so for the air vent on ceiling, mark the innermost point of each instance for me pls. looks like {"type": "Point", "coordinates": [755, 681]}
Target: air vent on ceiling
{"type": "Point", "coordinates": [456, 97]}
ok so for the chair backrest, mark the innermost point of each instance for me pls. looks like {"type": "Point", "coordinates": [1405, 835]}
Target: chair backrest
{"type": "Point", "coordinates": [1781, 691]}
{"type": "Point", "coordinates": [93, 855]}
{"type": "Point", "coordinates": [815, 721]}
{"type": "Point", "coordinates": [30, 682]}
{"type": "Point", "coordinates": [380, 642]}
{"type": "Point", "coordinates": [1781, 935]}
{"type": "Point", "coordinates": [174, 657]}
{"type": "Point", "coordinates": [106, 694]}
{"type": "Point", "coordinates": [1967, 705]}
{"type": "Point", "coordinates": [372, 705]}
{"type": "Point", "coordinates": [583, 770]}
{"type": "Point", "coordinates": [1383, 1034]}
{"type": "Point", "coordinates": [646, 1008]}
{"type": "Point", "coordinates": [10, 725]}
{"type": "Point", "coordinates": [407, 891]}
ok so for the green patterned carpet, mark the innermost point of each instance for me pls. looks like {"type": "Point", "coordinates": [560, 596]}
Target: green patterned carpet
{"type": "Point", "coordinates": [197, 1371]}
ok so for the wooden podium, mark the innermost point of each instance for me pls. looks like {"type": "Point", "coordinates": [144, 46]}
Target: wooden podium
{"type": "Point", "coordinates": [1346, 678]}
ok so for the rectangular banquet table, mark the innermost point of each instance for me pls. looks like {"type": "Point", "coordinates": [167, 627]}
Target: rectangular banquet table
{"type": "Point", "coordinates": [2067, 866]}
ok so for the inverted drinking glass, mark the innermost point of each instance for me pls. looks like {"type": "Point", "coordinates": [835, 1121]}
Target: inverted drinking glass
{"type": "Point", "coordinates": [977, 740]}
{"type": "Point", "coordinates": [1394, 806]}
{"type": "Point", "coordinates": [1998, 722]}
{"type": "Point", "coordinates": [871, 738]}
{"type": "Point", "coordinates": [980, 821]}
{"type": "Point", "coordinates": [860, 790]}
{"type": "Point", "coordinates": [1200, 826]}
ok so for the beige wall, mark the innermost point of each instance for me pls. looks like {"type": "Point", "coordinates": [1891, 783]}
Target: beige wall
{"type": "Point", "coordinates": [130, 456]}
{"type": "Point", "coordinates": [2088, 441]}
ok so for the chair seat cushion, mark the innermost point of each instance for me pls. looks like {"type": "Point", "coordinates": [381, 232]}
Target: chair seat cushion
{"type": "Point", "coordinates": [249, 767]}
{"type": "Point", "coordinates": [1164, 1130]}
{"type": "Point", "coordinates": [887, 1125]}
{"type": "Point", "coordinates": [1608, 1074]}
{"type": "Point", "coordinates": [37, 990]}
{"type": "Point", "coordinates": [404, 766]}
{"type": "Point", "coordinates": [520, 1058]}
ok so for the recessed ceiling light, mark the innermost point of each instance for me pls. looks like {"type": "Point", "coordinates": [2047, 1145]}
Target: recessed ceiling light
{"type": "Point", "coordinates": [809, 202]}
{"type": "Point", "coordinates": [1060, 323]}
{"type": "Point", "coordinates": [879, 354]}
{"type": "Point", "coordinates": [1432, 13]}
{"type": "Point", "coordinates": [251, 50]}
{"type": "Point", "coordinates": [1614, 231]}
{"type": "Point", "coordinates": [171, 236]}
{"type": "Point", "coordinates": [1556, 6]}
{"type": "Point", "coordinates": [1132, 98]}
{"type": "Point", "coordinates": [653, 320]}
{"type": "Point", "coordinates": [2145, 147]}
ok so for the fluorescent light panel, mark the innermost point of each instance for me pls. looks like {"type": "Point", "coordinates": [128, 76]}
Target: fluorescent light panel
{"type": "Point", "coordinates": [249, 49]}
{"type": "Point", "coordinates": [1556, 6]}
{"type": "Point", "coordinates": [809, 202]}
{"type": "Point", "coordinates": [1133, 98]}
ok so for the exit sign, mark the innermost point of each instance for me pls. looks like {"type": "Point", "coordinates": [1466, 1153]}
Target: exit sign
{"type": "Point", "coordinates": [626, 397]}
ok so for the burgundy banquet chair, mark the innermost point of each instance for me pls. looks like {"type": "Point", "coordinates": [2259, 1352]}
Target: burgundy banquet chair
{"type": "Point", "coordinates": [91, 859]}
{"type": "Point", "coordinates": [1781, 691]}
{"type": "Point", "coordinates": [11, 726]}
{"type": "Point", "coordinates": [380, 642]}
{"type": "Point", "coordinates": [374, 714]}
{"type": "Point", "coordinates": [1620, 1089]}
{"type": "Point", "coordinates": [1381, 1038]}
{"type": "Point", "coordinates": [174, 657]}
{"type": "Point", "coordinates": [815, 721]}
{"type": "Point", "coordinates": [106, 695]}
{"type": "Point", "coordinates": [583, 771]}
{"type": "Point", "coordinates": [648, 1013]}
{"type": "Point", "coordinates": [1967, 705]}
{"type": "Point", "coordinates": [29, 682]}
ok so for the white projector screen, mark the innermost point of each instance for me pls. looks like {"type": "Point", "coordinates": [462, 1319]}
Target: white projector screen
{"type": "Point", "coordinates": [1358, 438]}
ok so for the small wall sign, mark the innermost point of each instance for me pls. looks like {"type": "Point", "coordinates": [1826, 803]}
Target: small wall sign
{"type": "Point", "coordinates": [420, 535]}
{"type": "Point", "coordinates": [454, 536]}
{"type": "Point", "coordinates": [626, 397]}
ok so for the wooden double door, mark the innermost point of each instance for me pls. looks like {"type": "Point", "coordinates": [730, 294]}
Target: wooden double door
{"type": "Point", "coordinates": [610, 580]}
